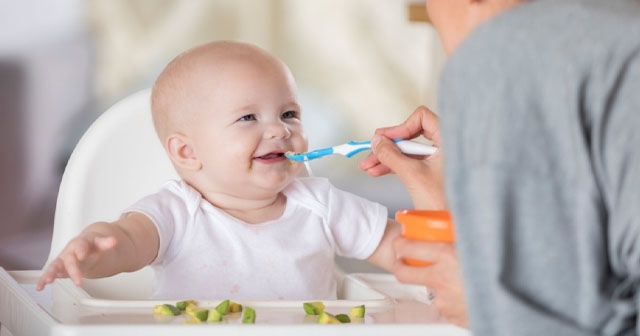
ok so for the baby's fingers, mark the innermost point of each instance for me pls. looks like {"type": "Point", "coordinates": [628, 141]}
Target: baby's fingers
{"type": "Point", "coordinates": [104, 243]}
{"type": "Point", "coordinates": [54, 270]}
{"type": "Point", "coordinates": [72, 267]}
{"type": "Point", "coordinates": [43, 281]}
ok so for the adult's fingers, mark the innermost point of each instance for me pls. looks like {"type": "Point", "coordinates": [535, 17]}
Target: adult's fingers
{"type": "Point", "coordinates": [417, 275]}
{"type": "Point", "coordinates": [423, 250]}
{"type": "Point", "coordinates": [386, 158]}
{"type": "Point", "coordinates": [373, 167]}
{"type": "Point", "coordinates": [421, 122]}
{"type": "Point", "coordinates": [390, 156]}
{"type": "Point", "coordinates": [422, 177]}
{"type": "Point", "coordinates": [444, 282]}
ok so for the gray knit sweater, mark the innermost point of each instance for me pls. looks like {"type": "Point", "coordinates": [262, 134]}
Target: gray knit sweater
{"type": "Point", "coordinates": [540, 115]}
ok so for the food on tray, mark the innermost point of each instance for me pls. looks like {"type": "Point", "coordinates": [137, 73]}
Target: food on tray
{"type": "Point", "coordinates": [214, 316]}
{"type": "Point", "coordinates": [190, 307]}
{"type": "Point", "coordinates": [249, 315]}
{"type": "Point", "coordinates": [198, 313]}
{"type": "Point", "coordinates": [343, 318]}
{"type": "Point", "coordinates": [234, 307]}
{"type": "Point", "coordinates": [166, 309]}
{"type": "Point", "coordinates": [357, 311]}
{"type": "Point", "coordinates": [182, 305]}
{"type": "Point", "coordinates": [313, 308]}
{"type": "Point", "coordinates": [223, 307]}
{"type": "Point", "coordinates": [318, 308]}
{"type": "Point", "coordinates": [326, 318]}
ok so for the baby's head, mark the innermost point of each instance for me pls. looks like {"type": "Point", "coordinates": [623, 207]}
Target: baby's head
{"type": "Point", "coordinates": [226, 113]}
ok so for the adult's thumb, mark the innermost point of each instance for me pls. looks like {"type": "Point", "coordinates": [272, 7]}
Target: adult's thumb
{"type": "Point", "coordinates": [388, 153]}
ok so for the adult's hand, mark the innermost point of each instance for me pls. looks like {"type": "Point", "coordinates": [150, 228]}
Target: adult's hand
{"type": "Point", "coordinates": [442, 277]}
{"type": "Point", "coordinates": [422, 176]}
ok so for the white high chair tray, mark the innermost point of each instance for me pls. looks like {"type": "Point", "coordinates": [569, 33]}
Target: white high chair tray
{"type": "Point", "coordinates": [64, 309]}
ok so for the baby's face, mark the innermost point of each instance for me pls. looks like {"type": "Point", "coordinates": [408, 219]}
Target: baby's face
{"type": "Point", "coordinates": [248, 117]}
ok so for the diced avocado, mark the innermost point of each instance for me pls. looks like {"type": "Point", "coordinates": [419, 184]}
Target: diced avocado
{"type": "Point", "coordinates": [200, 314]}
{"type": "Point", "coordinates": [223, 307]}
{"type": "Point", "coordinates": [234, 307]}
{"type": "Point", "coordinates": [166, 309]}
{"type": "Point", "coordinates": [313, 308]}
{"type": "Point", "coordinates": [190, 307]}
{"type": "Point", "coordinates": [249, 315]}
{"type": "Point", "coordinates": [191, 320]}
{"type": "Point", "coordinates": [357, 311]}
{"type": "Point", "coordinates": [343, 318]}
{"type": "Point", "coordinates": [182, 305]}
{"type": "Point", "coordinates": [326, 318]}
{"type": "Point", "coordinates": [214, 316]}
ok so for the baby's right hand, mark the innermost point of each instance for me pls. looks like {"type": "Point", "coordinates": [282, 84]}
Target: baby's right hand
{"type": "Point", "coordinates": [81, 254]}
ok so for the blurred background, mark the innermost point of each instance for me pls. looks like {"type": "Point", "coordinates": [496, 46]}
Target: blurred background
{"type": "Point", "coordinates": [359, 65]}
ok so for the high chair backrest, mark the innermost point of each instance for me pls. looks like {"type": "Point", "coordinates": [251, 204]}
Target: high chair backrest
{"type": "Point", "coordinates": [116, 162]}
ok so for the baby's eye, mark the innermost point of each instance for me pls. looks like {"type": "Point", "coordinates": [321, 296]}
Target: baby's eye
{"type": "Point", "coordinates": [248, 117]}
{"type": "Point", "coordinates": [290, 114]}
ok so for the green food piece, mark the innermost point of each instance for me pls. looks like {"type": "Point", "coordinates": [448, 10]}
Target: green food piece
{"type": "Point", "coordinates": [249, 315]}
{"type": "Point", "coordinates": [234, 307]}
{"type": "Point", "coordinates": [190, 307]}
{"type": "Point", "coordinates": [326, 318]}
{"type": "Point", "coordinates": [199, 314]}
{"type": "Point", "coordinates": [182, 305]}
{"type": "Point", "coordinates": [214, 316]}
{"type": "Point", "coordinates": [357, 311]}
{"type": "Point", "coordinates": [166, 309]}
{"type": "Point", "coordinates": [223, 307]}
{"type": "Point", "coordinates": [343, 318]}
{"type": "Point", "coordinates": [191, 320]}
{"type": "Point", "coordinates": [313, 308]}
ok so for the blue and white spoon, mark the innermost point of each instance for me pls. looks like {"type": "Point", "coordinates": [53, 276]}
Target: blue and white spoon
{"type": "Point", "coordinates": [351, 148]}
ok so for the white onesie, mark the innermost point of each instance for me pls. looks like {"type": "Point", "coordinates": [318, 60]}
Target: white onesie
{"type": "Point", "coordinates": [205, 253]}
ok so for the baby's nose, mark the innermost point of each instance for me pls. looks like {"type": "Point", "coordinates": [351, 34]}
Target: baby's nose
{"type": "Point", "coordinates": [277, 130]}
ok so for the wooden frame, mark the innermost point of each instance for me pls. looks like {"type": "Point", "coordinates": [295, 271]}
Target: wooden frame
{"type": "Point", "coordinates": [417, 12]}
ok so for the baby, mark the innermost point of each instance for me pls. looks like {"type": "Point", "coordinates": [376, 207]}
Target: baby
{"type": "Point", "coordinates": [240, 223]}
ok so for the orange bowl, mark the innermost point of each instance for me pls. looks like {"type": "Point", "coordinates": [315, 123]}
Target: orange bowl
{"type": "Point", "coordinates": [426, 225]}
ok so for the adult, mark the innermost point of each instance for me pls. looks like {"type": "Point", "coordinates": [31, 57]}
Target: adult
{"type": "Point", "coordinates": [540, 114]}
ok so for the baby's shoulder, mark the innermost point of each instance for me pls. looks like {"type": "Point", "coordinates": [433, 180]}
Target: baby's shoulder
{"type": "Point", "coordinates": [173, 194]}
{"type": "Point", "coordinates": [179, 188]}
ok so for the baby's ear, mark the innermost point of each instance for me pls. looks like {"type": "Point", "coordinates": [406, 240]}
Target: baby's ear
{"type": "Point", "coordinates": [181, 152]}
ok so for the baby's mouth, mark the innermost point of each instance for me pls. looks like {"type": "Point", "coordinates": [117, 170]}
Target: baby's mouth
{"type": "Point", "coordinates": [271, 156]}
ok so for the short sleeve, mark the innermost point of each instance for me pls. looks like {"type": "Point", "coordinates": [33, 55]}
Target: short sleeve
{"type": "Point", "coordinates": [167, 209]}
{"type": "Point", "coordinates": [357, 224]}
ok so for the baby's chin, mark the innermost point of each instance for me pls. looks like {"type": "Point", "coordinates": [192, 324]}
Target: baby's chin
{"type": "Point", "coordinates": [276, 182]}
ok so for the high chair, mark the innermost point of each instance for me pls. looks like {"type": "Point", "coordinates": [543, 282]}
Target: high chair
{"type": "Point", "coordinates": [118, 161]}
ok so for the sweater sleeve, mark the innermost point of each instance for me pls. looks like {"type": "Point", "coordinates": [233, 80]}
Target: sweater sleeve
{"type": "Point", "coordinates": [618, 167]}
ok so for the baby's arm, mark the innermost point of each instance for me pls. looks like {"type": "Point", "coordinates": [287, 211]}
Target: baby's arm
{"type": "Point", "coordinates": [104, 249]}
{"type": "Point", "coordinates": [384, 256]}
